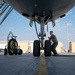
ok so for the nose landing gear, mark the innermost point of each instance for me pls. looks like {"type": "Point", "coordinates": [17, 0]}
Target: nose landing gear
{"type": "Point", "coordinates": [39, 44]}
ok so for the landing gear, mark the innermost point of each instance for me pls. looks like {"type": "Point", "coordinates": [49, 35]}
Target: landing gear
{"type": "Point", "coordinates": [47, 50]}
{"type": "Point", "coordinates": [36, 48]}
{"type": "Point", "coordinates": [39, 44]}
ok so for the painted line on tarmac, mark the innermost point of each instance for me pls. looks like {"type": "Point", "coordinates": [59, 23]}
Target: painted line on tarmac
{"type": "Point", "coordinates": [42, 68]}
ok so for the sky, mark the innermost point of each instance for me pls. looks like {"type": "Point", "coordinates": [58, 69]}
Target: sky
{"type": "Point", "coordinates": [19, 26]}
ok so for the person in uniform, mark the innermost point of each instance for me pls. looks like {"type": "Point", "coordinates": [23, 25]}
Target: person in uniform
{"type": "Point", "coordinates": [54, 40]}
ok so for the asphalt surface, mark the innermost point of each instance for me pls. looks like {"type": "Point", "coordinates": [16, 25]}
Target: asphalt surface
{"type": "Point", "coordinates": [24, 64]}
{"type": "Point", "coordinates": [27, 64]}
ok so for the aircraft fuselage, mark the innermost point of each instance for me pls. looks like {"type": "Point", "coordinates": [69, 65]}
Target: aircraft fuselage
{"type": "Point", "coordinates": [29, 8]}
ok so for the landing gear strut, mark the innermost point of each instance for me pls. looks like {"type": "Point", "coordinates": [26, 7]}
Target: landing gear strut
{"type": "Point", "coordinates": [39, 44]}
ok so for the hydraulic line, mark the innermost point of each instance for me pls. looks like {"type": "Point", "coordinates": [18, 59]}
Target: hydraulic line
{"type": "Point", "coordinates": [9, 11]}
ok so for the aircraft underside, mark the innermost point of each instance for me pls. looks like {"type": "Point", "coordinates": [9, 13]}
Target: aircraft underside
{"type": "Point", "coordinates": [42, 12]}
{"type": "Point", "coordinates": [41, 8]}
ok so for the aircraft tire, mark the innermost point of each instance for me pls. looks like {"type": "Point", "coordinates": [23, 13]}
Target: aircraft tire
{"type": "Point", "coordinates": [36, 48]}
{"type": "Point", "coordinates": [47, 51]}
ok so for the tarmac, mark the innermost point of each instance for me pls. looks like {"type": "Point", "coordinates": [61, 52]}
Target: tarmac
{"type": "Point", "coordinates": [27, 64]}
